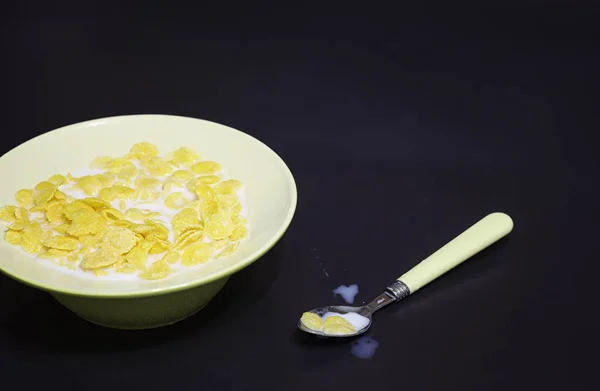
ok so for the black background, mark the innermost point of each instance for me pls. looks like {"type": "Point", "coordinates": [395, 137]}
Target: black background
{"type": "Point", "coordinates": [402, 126]}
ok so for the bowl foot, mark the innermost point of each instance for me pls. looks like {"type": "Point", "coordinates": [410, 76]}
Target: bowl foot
{"type": "Point", "coordinates": [144, 326]}
{"type": "Point", "coordinates": [140, 313]}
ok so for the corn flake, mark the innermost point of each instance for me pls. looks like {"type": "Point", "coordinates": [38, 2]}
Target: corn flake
{"type": "Point", "coordinates": [138, 214]}
{"type": "Point", "coordinates": [7, 213]}
{"type": "Point", "coordinates": [204, 192]}
{"type": "Point", "coordinates": [184, 156]}
{"type": "Point", "coordinates": [57, 179]}
{"type": "Point", "coordinates": [13, 237]}
{"type": "Point", "coordinates": [176, 201]}
{"type": "Point", "coordinates": [196, 253]}
{"type": "Point", "coordinates": [143, 150]}
{"type": "Point", "coordinates": [25, 199]}
{"type": "Point", "coordinates": [170, 257]}
{"type": "Point", "coordinates": [96, 203]}
{"type": "Point", "coordinates": [62, 243]}
{"type": "Point", "coordinates": [112, 214]}
{"type": "Point", "coordinates": [119, 238]}
{"type": "Point", "coordinates": [86, 223]}
{"type": "Point", "coordinates": [188, 237]}
{"type": "Point", "coordinates": [206, 167]}
{"type": "Point", "coordinates": [101, 258]}
{"type": "Point", "coordinates": [181, 176]}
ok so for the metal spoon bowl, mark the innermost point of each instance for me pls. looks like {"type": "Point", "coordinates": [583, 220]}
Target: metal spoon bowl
{"type": "Point", "coordinates": [480, 235]}
{"type": "Point", "coordinates": [395, 292]}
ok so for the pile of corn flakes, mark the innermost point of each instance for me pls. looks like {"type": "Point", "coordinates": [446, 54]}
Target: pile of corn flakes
{"type": "Point", "coordinates": [91, 222]}
{"type": "Point", "coordinates": [334, 325]}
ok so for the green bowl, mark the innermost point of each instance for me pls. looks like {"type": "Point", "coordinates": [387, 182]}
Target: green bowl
{"type": "Point", "coordinates": [269, 191]}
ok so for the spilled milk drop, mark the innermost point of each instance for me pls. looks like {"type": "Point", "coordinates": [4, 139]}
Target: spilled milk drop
{"type": "Point", "coordinates": [364, 347]}
{"type": "Point", "coordinates": [347, 292]}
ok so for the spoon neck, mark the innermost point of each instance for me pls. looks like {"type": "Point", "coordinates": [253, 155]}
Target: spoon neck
{"type": "Point", "coordinates": [396, 291]}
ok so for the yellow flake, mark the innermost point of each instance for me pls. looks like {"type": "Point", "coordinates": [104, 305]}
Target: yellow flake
{"type": "Point", "coordinates": [57, 179]}
{"type": "Point", "coordinates": [216, 229]}
{"type": "Point", "coordinates": [115, 192]}
{"type": "Point", "coordinates": [44, 185]}
{"type": "Point", "coordinates": [239, 220]}
{"type": "Point", "coordinates": [96, 203]}
{"type": "Point", "coordinates": [185, 217]}
{"type": "Point", "coordinates": [196, 253]}
{"type": "Point", "coordinates": [21, 214]}
{"type": "Point", "coordinates": [184, 156]}
{"type": "Point", "coordinates": [188, 237]}
{"type": "Point", "coordinates": [89, 241]}
{"type": "Point", "coordinates": [228, 187]}
{"type": "Point", "coordinates": [158, 245]}
{"type": "Point", "coordinates": [227, 201]}
{"type": "Point", "coordinates": [138, 214]}
{"type": "Point", "coordinates": [32, 241]}
{"type": "Point", "coordinates": [103, 257]}
{"type": "Point", "coordinates": [76, 207]}
{"type": "Point", "coordinates": [142, 229]}
{"type": "Point", "coordinates": [89, 184]}
{"type": "Point", "coordinates": [208, 208]}
{"type": "Point", "coordinates": [7, 213]}
{"type": "Point", "coordinates": [170, 257]}
{"type": "Point", "coordinates": [143, 150]}
{"type": "Point", "coordinates": [86, 223]}
{"type": "Point", "coordinates": [181, 176]}
{"type": "Point", "coordinates": [54, 253]}
{"type": "Point", "coordinates": [123, 168]}
{"type": "Point", "coordinates": [123, 223]}
{"type": "Point", "coordinates": [156, 271]}
{"type": "Point", "coordinates": [25, 199]}
{"type": "Point", "coordinates": [102, 162]}
{"type": "Point", "coordinates": [311, 321]}
{"type": "Point", "coordinates": [124, 267]}
{"type": "Point", "coordinates": [18, 225]}
{"type": "Point", "coordinates": [59, 195]}
{"type": "Point", "coordinates": [13, 237]}
{"type": "Point", "coordinates": [119, 238]}
{"type": "Point", "coordinates": [229, 249]}
{"type": "Point", "coordinates": [112, 214]}
{"type": "Point", "coordinates": [61, 228]}
{"type": "Point", "coordinates": [204, 192]}
{"type": "Point", "coordinates": [44, 191]}
{"type": "Point", "coordinates": [176, 201]}
{"type": "Point", "coordinates": [206, 167]}
{"type": "Point", "coordinates": [54, 211]}
{"type": "Point", "coordinates": [147, 182]}
{"type": "Point", "coordinates": [338, 329]}
{"type": "Point", "coordinates": [157, 166]}
{"type": "Point", "coordinates": [239, 233]}
{"type": "Point", "coordinates": [72, 257]}
{"type": "Point", "coordinates": [160, 230]}
{"type": "Point", "coordinates": [138, 255]}
{"type": "Point", "coordinates": [337, 325]}
{"type": "Point", "coordinates": [62, 243]}
{"type": "Point", "coordinates": [208, 179]}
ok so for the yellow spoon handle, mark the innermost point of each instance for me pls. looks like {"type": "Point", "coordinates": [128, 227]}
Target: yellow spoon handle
{"type": "Point", "coordinates": [480, 235]}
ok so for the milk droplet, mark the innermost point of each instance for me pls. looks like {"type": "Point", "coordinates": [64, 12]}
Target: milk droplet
{"type": "Point", "coordinates": [364, 347]}
{"type": "Point", "coordinates": [347, 292]}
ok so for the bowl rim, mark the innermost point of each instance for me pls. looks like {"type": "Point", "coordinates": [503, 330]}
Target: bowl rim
{"type": "Point", "coordinates": [194, 283]}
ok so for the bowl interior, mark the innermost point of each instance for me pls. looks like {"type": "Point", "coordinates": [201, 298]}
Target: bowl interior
{"type": "Point", "coordinates": [269, 191]}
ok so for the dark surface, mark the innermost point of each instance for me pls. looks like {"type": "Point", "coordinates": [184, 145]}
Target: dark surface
{"type": "Point", "coordinates": [402, 128]}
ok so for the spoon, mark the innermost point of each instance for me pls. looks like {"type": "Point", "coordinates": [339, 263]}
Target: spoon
{"type": "Point", "coordinates": [480, 235]}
